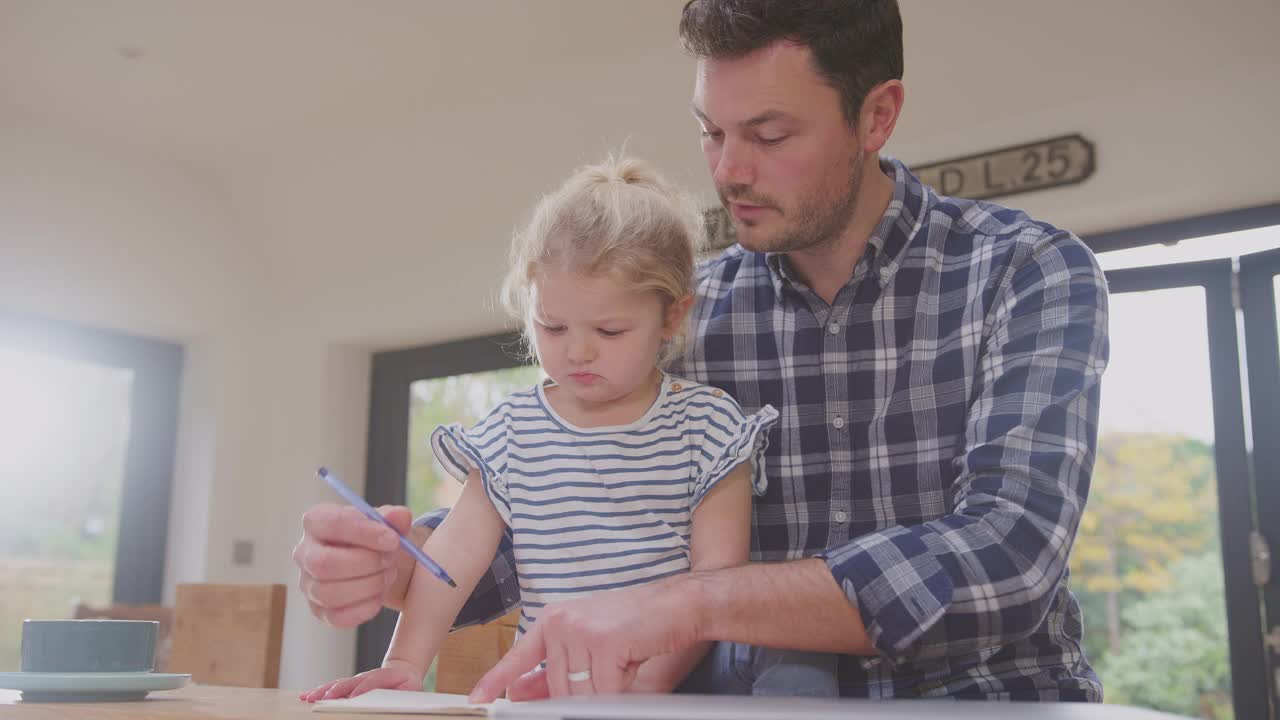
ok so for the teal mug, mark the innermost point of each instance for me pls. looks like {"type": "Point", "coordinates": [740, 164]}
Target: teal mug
{"type": "Point", "coordinates": [88, 646]}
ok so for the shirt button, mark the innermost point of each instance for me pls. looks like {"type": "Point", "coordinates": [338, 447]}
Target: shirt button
{"type": "Point", "coordinates": [838, 422]}
{"type": "Point", "coordinates": [717, 393]}
{"type": "Point", "coordinates": [841, 516]}
{"type": "Point", "coordinates": [676, 387]}
{"type": "Point", "coordinates": [834, 328]}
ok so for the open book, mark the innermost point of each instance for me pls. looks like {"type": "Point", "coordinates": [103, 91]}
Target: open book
{"type": "Point", "coordinates": [405, 702]}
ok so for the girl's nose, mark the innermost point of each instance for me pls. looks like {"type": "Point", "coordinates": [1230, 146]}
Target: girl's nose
{"type": "Point", "coordinates": [581, 350]}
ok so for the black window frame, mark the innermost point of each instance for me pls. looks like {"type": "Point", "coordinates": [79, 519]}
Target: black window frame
{"type": "Point", "coordinates": [1234, 480]}
{"type": "Point", "coordinates": [391, 375]}
{"type": "Point", "coordinates": [150, 453]}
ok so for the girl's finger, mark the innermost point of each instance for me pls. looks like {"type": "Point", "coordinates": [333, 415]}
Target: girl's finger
{"type": "Point", "coordinates": [342, 688]}
{"type": "Point", "coordinates": [317, 692]}
{"type": "Point", "coordinates": [373, 681]}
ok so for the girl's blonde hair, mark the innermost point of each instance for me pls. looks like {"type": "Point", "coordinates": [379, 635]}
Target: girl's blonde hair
{"type": "Point", "coordinates": [618, 219]}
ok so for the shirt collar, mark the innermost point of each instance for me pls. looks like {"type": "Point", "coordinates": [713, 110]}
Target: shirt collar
{"type": "Point", "coordinates": [899, 224]}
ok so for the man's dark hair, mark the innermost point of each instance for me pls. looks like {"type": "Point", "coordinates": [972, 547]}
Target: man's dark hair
{"type": "Point", "coordinates": [856, 44]}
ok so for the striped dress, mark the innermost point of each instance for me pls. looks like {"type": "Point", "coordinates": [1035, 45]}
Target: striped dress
{"type": "Point", "coordinates": [608, 507]}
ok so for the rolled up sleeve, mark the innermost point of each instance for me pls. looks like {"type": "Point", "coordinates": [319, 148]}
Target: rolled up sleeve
{"type": "Point", "coordinates": [984, 574]}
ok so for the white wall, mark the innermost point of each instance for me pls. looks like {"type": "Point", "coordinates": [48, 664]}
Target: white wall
{"type": "Point", "coordinates": [282, 275]}
{"type": "Point", "coordinates": [319, 416]}
{"type": "Point", "coordinates": [395, 217]}
{"type": "Point", "coordinates": [143, 246]}
{"type": "Point", "coordinates": [132, 244]}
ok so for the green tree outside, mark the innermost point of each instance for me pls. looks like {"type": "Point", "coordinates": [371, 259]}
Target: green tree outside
{"type": "Point", "coordinates": [463, 399]}
{"type": "Point", "coordinates": [1184, 622]}
{"type": "Point", "coordinates": [1152, 502]}
{"type": "Point", "coordinates": [1147, 569]}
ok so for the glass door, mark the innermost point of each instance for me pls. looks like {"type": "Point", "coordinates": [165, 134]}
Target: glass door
{"type": "Point", "coordinates": [1259, 288]}
{"type": "Point", "coordinates": [1195, 374]}
{"type": "Point", "coordinates": [1157, 563]}
{"type": "Point", "coordinates": [414, 391]}
{"type": "Point", "coordinates": [463, 399]}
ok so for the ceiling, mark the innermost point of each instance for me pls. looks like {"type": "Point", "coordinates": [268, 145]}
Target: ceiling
{"type": "Point", "coordinates": [344, 142]}
{"type": "Point", "coordinates": [211, 79]}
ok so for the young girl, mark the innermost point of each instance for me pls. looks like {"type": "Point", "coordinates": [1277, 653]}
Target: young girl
{"type": "Point", "coordinates": [611, 473]}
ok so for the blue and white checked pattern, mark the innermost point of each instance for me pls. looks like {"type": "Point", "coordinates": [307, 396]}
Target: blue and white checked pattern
{"type": "Point", "coordinates": [595, 509]}
{"type": "Point", "coordinates": [938, 429]}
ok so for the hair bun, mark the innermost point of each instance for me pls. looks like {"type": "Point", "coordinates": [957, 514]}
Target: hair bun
{"type": "Point", "coordinates": [633, 172]}
{"type": "Point", "coordinates": [626, 170]}
{"type": "Point", "coordinates": [619, 219]}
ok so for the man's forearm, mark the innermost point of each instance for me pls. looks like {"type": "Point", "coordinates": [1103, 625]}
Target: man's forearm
{"type": "Point", "coordinates": [793, 605]}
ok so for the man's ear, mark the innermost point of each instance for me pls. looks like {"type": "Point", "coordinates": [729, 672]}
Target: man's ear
{"type": "Point", "coordinates": [676, 313]}
{"type": "Point", "coordinates": [879, 115]}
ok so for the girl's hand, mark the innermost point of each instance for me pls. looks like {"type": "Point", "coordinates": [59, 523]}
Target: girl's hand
{"type": "Point", "coordinates": [393, 675]}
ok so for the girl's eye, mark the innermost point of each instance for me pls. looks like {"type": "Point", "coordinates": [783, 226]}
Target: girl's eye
{"type": "Point", "coordinates": [611, 333]}
{"type": "Point", "coordinates": [553, 329]}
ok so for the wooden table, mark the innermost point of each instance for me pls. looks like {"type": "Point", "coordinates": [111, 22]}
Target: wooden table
{"type": "Point", "coordinates": [202, 702]}
{"type": "Point", "coordinates": [194, 702]}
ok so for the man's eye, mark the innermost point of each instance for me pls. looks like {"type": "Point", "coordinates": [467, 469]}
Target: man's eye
{"type": "Point", "coordinates": [771, 140]}
{"type": "Point", "coordinates": [712, 134]}
{"type": "Point", "coordinates": [611, 333]}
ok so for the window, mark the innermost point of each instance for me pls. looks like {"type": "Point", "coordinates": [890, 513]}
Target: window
{"type": "Point", "coordinates": [86, 461]}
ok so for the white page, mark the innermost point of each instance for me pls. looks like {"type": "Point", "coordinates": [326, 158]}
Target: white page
{"type": "Point", "coordinates": [403, 702]}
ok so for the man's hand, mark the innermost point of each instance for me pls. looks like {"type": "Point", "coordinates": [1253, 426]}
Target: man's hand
{"type": "Point", "coordinates": [350, 566]}
{"type": "Point", "coordinates": [530, 686]}
{"type": "Point", "coordinates": [596, 644]}
{"type": "Point", "coordinates": [795, 605]}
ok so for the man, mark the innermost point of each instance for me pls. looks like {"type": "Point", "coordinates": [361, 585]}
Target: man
{"type": "Point", "coordinates": [937, 365]}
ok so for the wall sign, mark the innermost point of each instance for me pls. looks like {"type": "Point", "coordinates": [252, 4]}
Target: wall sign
{"type": "Point", "coordinates": [1064, 160]}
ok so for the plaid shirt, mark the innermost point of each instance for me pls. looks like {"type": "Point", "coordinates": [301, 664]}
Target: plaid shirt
{"type": "Point", "coordinates": [938, 429]}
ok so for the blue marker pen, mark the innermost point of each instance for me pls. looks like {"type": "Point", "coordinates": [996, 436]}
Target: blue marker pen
{"type": "Point", "coordinates": [350, 496]}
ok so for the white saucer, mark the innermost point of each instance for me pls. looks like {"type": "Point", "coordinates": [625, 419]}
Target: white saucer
{"type": "Point", "coordinates": [89, 687]}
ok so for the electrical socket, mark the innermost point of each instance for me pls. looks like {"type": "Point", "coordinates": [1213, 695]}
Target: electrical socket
{"type": "Point", "coordinates": [242, 552]}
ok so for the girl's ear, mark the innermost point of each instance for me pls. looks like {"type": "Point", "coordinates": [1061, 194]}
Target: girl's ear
{"type": "Point", "coordinates": [676, 313]}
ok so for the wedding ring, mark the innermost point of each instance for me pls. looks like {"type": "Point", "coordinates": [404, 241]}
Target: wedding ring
{"type": "Point", "coordinates": [581, 676]}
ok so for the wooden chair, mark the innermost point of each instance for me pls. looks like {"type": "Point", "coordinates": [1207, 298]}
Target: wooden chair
{"type": "Point", "coordinates": [158, 613]}
{"type": "Point", "coordinates": [229, 634]}
{"type": "Point", "coordinates": [467, 654]}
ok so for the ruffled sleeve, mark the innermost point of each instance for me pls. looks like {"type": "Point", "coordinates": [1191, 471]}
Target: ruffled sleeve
{"type": "Point", "coordinates": [482, 447]}
{"type": "Point", "coordinates": [731, 438]}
